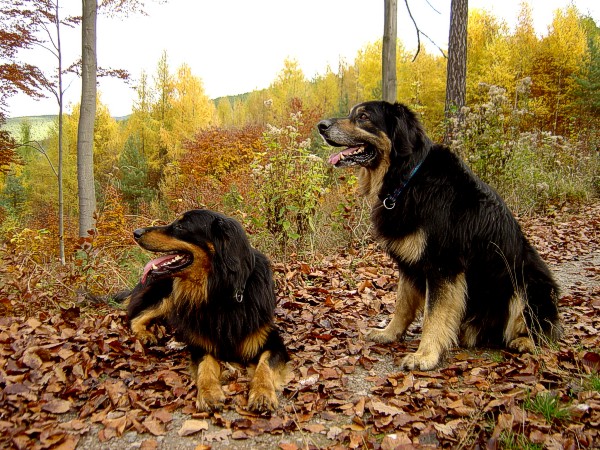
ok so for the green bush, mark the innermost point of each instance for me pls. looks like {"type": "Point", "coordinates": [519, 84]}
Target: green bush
{"type": "Point", "coordinates": [531, 169]}
{"type": "Point", "coordinates": [288, 185]}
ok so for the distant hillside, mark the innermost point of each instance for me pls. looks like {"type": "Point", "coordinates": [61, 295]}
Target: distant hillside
{"type": "Point", "coordinates": [40, 126]}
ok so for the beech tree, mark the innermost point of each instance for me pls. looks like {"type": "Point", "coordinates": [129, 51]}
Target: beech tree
{"type": "Point", "coordinates": [87, 116]}
{"type": "Point", "coordinates": [456, 80]}
{"type": "Point", "coordinates": [388, 60]}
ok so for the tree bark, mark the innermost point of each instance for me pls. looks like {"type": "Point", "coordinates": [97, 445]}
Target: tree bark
{"type": "Point", "coordinates": [59, 98]}
{"type": "Point", "coordinates": [390, 38]}
{"type": "Point", "coordinates": [456, 79]}
{"type": "Point", "coordinates": [87, 116]}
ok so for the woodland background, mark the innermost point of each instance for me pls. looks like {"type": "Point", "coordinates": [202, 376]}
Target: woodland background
{"type": "Point", "coordinates": [531, 129]}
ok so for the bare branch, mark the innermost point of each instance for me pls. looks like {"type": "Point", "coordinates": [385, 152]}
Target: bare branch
{"type": "Point", "coordinates": [419, 32]}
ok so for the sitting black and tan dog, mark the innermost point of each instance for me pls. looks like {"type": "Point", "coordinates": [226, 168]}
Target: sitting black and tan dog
{"type": "Point", "coordinates": [462, 257]}
{"type": "Point", "coordinates": [217, 294]}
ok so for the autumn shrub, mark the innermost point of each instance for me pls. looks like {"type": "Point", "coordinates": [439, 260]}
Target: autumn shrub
{"type": "Point", "coordinates": [32, 277]}
{"type": "Point", "coordinates": [288, 186]}
{"type": "Point", "coordinates": [532, 169]}
{"type": "Point", "coordinates": [345, 218]}
{"type": "Point", "coordinates": [216, 162]}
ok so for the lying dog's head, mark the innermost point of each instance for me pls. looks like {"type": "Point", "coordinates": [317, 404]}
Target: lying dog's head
{"type": "Point", "coordinates": [199, 242]}
{"type": "Point", "coordinates": [373, 132]}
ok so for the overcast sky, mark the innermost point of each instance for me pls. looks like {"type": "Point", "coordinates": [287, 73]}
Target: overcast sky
{"type": "Point", "coordinates": [237, 46]}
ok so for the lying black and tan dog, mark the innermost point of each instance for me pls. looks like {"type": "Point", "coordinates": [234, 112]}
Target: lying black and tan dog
{"type": "Point", "coordinates": [462, 256]}
{"type": "Point", "coordinates": [217, 294]}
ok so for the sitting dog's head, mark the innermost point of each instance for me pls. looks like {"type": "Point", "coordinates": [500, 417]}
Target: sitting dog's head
{"type": "Point", "coordinates": [198, 242]}
{"type": "Point", "coordinates": [374, 132]}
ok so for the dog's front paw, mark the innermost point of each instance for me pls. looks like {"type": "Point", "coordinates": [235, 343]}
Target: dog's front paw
{"type": "Point", "coordinates": [522, 345]}
{"type": "Point", "coordinates": [146, 338]}
{"type": "Point", "coordinates": [262, 400]}
{"type": "Point", "coordinates": [420, 361]}
{"type": "Point", "coordinates": [210, 399]}
{"type": "Point", "coordinates": [381, 336]}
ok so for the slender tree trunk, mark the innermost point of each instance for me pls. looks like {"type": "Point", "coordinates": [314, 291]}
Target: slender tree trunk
{"type": "Point", "coordinates": [390, 38]}
{"type": "Point", "coordinates": [87, 116]}
{"type": "Point", "coordinates": [59, 97]}
{"type": "Point", "coordinates": [456, 79]}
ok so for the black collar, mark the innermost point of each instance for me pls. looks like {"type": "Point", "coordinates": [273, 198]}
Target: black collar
{"type": "Point", "coordinates": [390, 201]}
{"type": "Point", "coordinates": [239, 293]}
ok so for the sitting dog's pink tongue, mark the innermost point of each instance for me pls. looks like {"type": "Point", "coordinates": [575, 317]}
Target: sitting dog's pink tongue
{"type": "Point", "coordinates": [335, 158]}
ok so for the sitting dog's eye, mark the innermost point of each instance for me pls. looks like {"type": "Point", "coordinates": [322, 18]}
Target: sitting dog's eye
{"type": "Point", "coordinates": [363, 116]}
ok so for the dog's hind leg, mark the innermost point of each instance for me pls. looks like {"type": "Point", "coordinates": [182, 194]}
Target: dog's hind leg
{"type": "Point", "coordinates": [516, 334]}
{"type": "Point", "coordinates": [206, 371]}
{"type": "Point", "coordinates": [269, 375]}
{"type": "Point", "coordinates": [409, 301]}
{"type": "Point", "coordinates": [443, 314]}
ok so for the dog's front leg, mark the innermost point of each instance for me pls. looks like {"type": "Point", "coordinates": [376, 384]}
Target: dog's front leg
{"type": "Point", "coordinates": [409, 301]}
{"type": "Point", "coordinates": [269, 376]}
{"type": "Point", "coordinates": [206, 370]}
{"type": "Point", "coordinates": [444, 310]}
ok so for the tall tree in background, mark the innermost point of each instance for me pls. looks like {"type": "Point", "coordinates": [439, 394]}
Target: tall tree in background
{"type": "Point", "coordinates": [87, 115]}
{"type": "Point", "coordinates": [37, 16]}
{"type": "Point", "coordinates": [390, 38]}
{"type": "Point", "coordinates": [85, 131]}
{"type": "Point", "coordinates": [456, 79]}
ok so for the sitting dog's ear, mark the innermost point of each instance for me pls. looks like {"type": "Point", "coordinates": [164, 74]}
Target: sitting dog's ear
{"type": "Point", "coordinates": [407, 133]}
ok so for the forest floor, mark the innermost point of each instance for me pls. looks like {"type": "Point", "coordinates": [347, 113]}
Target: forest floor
{"type": "Point", "coordinates": [77, 378]}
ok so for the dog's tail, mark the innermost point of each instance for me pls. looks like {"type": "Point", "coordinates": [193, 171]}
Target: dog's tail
{"type": "Point", "coordinates": [122, 297]}
{"type": "Point", "coordinates": [542, 296]}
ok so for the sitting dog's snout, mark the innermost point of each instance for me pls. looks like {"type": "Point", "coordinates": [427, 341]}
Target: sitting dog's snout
{"type": "Point", "coordinates": [137, 234]}
{"type": "Point", "coordinates": [324, 125]}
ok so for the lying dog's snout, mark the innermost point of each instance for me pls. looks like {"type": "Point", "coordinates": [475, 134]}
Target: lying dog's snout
{"type": "Point", "coordinates": [137, 234]}
{"type": "Point", "coordinates": [324, 125]}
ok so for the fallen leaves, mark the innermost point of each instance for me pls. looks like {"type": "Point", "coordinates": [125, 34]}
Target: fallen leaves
{"type": "Point", "coordinates": [72, 373]}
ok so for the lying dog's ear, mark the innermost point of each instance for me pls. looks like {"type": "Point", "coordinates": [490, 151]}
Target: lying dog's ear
{"type": "Point", "coordinates": [231, 244]}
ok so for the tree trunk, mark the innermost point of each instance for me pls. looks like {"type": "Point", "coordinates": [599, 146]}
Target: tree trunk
{"type": "Point", "coordinates": [59, 98]}
{"type": "Point", "coordinates": [456, 80]}
{"type": "Point", "coordinates": [388, 60]}
{"type": "Point", "coordinates": [87, 116]}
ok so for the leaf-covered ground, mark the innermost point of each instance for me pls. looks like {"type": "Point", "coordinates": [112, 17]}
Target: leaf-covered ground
{"type": "Point", "coordinates": [78, 378]}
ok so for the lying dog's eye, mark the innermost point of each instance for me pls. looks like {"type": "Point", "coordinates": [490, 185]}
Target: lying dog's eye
{"type": "Point", "coordinates": [363, 117]}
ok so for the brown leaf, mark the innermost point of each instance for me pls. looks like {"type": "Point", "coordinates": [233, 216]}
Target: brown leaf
{"type": "Point", "coordinates": [591, 361]}
{"type": "Point", "coordinates": [314, 427]}
{"type": "Point", "coordinates": [163, 415]}
{"type": "Point", "coordinates": [192, 426]}
{"type": "Point", "coordinates": [69, 443]}
{"type": "Point", "coordinates": [393, 441]}
{"type": "Point", "coordinates": [218, 436]}
{"type": "Point", "coordinates": [154, 426]}
{"type": "Point", "coordinates": [382, 408]}
{"type": "Point", "coordinates": [57, 406]}
{"type": "Point", "coordinates": [149, 444]}
{"type": "Point", "coordinates": [288, 446]}
{"type": "Point", "coordinates": [32, 360]}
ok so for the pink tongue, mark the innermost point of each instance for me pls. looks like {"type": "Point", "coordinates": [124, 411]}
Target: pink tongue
{"type": "Point", "coordinates": [156, 263]}
{"type": "Point", "coordinates": [335, 158]}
